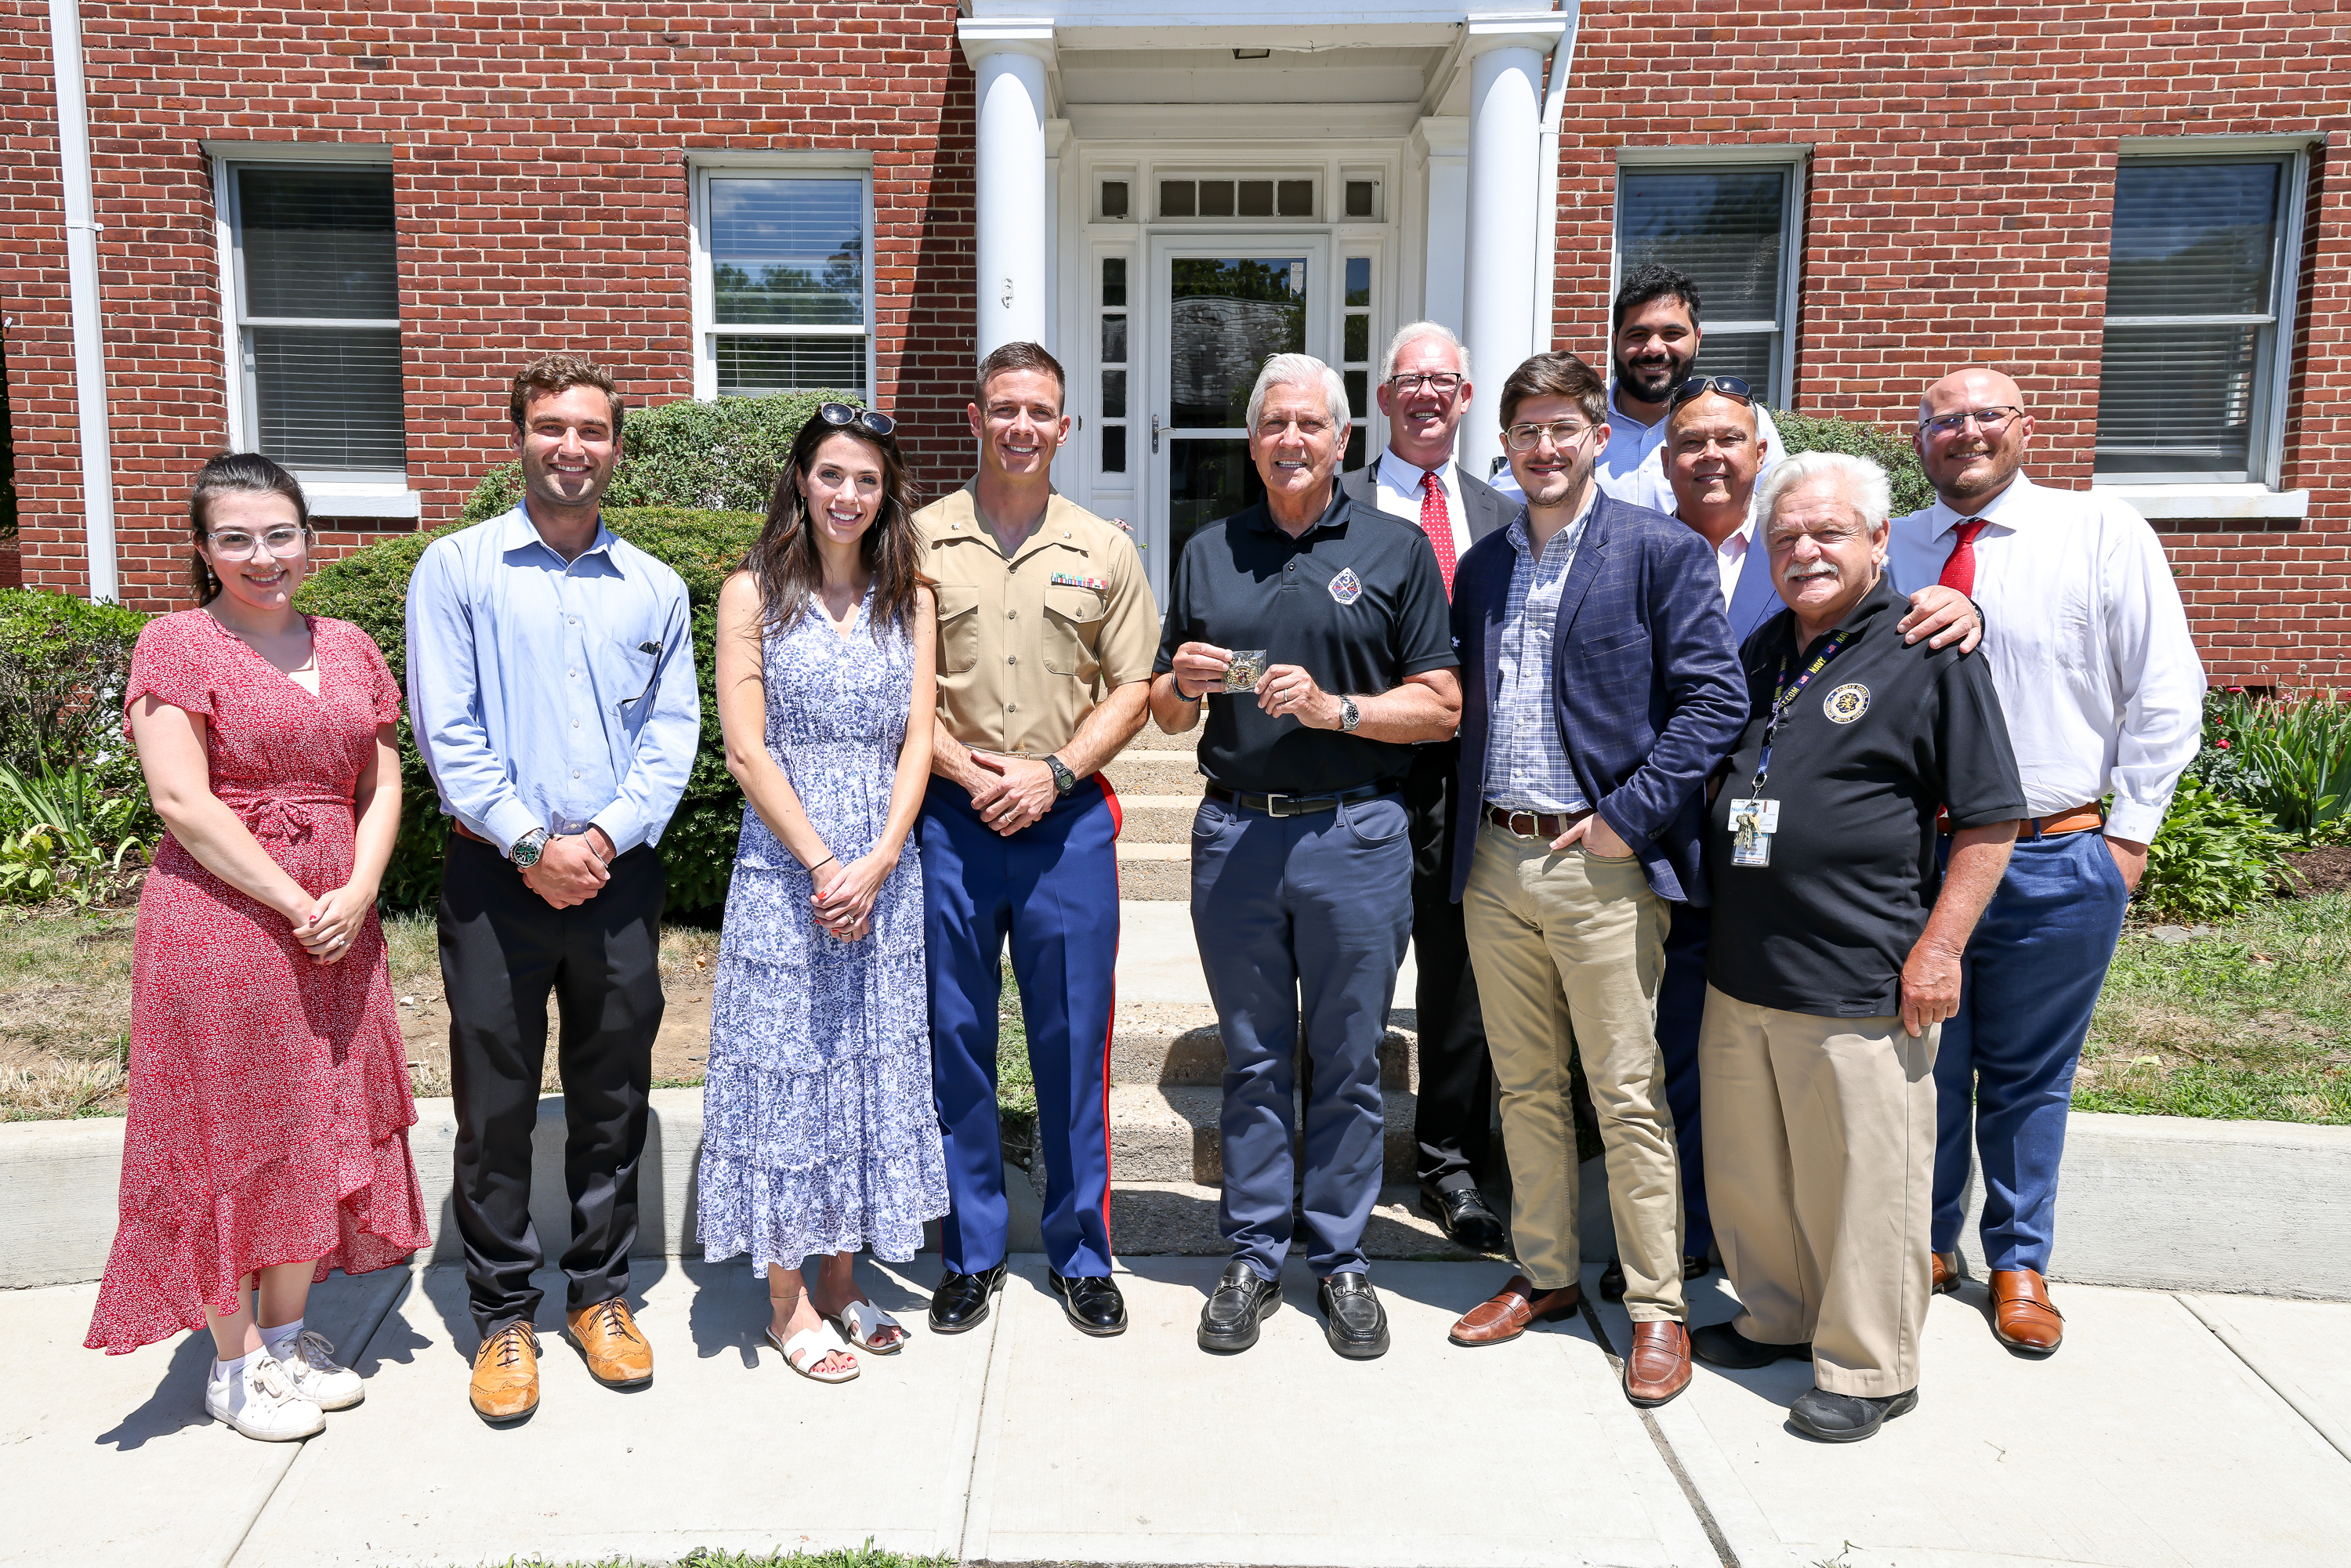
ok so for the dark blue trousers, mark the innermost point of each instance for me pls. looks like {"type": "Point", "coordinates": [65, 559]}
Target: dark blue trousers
{"type": "Point", "coordinates": [1051, 889]}
{"type": "Point", "coordinates": [1681, 1005]}
{"type": "Point", "coordinates": [1301, 913]}
{"type": "Point", "coordinates": [2027, 987]}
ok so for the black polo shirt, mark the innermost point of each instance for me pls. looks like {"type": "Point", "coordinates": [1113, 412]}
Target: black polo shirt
{"type": "Point", "coordinates": [1884, 735]}
{"type": "Point", "coordinates": [1356, 601]}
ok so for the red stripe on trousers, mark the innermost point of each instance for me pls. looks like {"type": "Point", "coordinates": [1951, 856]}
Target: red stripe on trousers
{"type": "Point", "coordinates": [1117, 824]}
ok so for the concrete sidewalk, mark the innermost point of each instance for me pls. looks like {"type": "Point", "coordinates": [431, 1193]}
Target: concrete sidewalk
{"type": "Point", "coordinates": [2172, 1430]}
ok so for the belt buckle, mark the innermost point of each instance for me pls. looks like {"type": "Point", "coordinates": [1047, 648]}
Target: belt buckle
{"type": "Point", "coordinates": [1278, 806]}
{"type": "Point", "coordinates": [1534, 829]}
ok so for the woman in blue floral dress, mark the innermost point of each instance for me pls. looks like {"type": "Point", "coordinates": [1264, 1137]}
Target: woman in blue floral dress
{"type": "Point", "coordinates": [819, 1136]}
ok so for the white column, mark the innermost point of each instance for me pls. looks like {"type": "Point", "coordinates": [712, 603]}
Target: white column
{"type": "Point", "coordinates": [1014, 245]}
{"type": "Point", "coordinates": [1506, 210]}
{"type": "Point", "coordinates": [1445, 145]}
{"type": "Point", "coordinates": [81, 288]}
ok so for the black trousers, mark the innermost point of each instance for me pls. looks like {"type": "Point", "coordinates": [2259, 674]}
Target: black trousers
{"type": "Point", "coordinates": [503, 950]}
{"type": "Point", "coordinates": [1457, 1075]}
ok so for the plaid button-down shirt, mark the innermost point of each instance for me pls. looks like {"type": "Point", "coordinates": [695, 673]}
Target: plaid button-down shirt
{"type": "Point", "coordinates": [1526, 761]}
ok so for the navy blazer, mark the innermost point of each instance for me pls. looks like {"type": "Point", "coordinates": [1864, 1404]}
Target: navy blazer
{"type": "Point", "coordinates": [1647, 687]}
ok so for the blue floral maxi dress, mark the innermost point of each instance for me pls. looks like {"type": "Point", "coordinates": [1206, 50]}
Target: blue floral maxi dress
{"type": "Point", "coordinates": [819, 1131]}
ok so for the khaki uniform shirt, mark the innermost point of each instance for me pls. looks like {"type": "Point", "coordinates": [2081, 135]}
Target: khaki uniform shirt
{"type": "Point", "coordinates": [1026, 647]}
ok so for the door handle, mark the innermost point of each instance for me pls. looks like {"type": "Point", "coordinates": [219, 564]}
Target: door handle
{"type": "Point", "coordinates": [1155, 436]}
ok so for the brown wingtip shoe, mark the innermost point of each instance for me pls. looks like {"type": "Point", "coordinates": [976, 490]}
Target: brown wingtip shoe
{"type": "Point", "coordinates": [1946, 1272]}
{"type": "Point", "coordinates": [606, 1334]}
{"type": "Point", "coordinates": [506, 1376]}
{"type": "Point", "coordinates": [2023, 1317]}
{"type": "Point", "coordinates": [1659, 1365]}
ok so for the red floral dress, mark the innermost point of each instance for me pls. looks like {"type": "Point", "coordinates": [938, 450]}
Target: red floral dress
{"type": "Point", "coordinates": [270, 1102]}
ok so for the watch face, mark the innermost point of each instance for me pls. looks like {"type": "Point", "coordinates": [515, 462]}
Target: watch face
{"type": "Point", "coordinates": [527, 853]}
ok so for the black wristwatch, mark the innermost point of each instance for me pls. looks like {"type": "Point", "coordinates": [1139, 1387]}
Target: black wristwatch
{"type": "Point", "coordinates": [1063, 779]}
{"type": "Point", "coordinates": [528, 848]}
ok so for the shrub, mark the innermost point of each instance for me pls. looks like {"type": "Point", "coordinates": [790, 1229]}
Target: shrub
{"type": "Point", "coordinates": [2291, 758]}
{"type": "Point", "coordinates": [75, 839]}
{"type": "Point", "coordinates": [370, 589]}
{"type": "Point", "coordinates": [717, 456]}
{"type": "Point", "coordinates": [1891, 451]}
{"type": "Point", "coordinates": [63, 663]}
{"type": "Point", "coordinates": [2212, 859]}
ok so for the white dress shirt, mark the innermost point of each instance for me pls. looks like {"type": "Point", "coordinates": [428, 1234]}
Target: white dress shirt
{"type": "Point", "coordinates": [1730, 556]}
{"type": "Point", "coordinates": [1632, 466]}
{"type": "Point", "coordinates": [2088, 643]}
{"type": "Point", "coordinates": [1398, 490]}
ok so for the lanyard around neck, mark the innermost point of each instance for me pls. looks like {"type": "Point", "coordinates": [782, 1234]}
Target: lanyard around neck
{"type": "Point", "coordinates": [1783, 695]}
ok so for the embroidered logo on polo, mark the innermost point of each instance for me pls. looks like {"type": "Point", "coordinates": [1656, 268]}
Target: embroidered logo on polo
{"type": "Point", "coordinates": [1846, 703]}
{"type": "Point", "coordinates": [1346, 588]}
{"type": "Point", "coordinates": [1071, 580]}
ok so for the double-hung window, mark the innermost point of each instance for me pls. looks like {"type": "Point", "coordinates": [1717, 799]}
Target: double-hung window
{"type": "Point", "coordinates": [783, 296]}
{"type": "Point", "coordinates": [2201, 273]}
{"type": "Point", "coordinates": [1732, 226]}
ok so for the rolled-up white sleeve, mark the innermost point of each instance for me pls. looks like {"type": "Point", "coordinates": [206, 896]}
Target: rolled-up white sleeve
{"type": "Point", "coordinates": [2157, 674]}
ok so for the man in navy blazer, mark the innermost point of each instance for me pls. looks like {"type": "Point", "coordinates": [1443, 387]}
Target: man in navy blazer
{"type": "Point", "coordinates": [1601, 688]}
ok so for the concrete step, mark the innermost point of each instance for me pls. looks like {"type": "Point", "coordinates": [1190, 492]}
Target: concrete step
{"type": "Point", "coordinates": [1167, 1133]}
{"type": "Point", "coordinates": [1153, 739]}
{"type": "Point", "coordinates": [1160, 873]}
{"type": "Point", "coordinates": [1155, 773]}
{"type": "Point", "coordinates": [1158, 820]}
{"type": "Point", "coordinates": [1179, 1218]}
{"type": "Point", "coordinates": [1179, 1043]}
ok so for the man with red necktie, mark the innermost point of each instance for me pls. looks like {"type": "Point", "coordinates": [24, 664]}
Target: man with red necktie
{"type": "Point", "coordinates": [2089, 650]}
{"type": "Point", "coordinates": [1423, 392]}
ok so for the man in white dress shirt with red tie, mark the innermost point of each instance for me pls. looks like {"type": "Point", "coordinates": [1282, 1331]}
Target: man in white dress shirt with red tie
{"type": "Point", "coordinates": [1423, 392]}
{"type": "Point", "coordinates": [2104, 695]}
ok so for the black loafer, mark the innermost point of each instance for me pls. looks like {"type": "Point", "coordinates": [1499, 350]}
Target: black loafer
{"type": "Point", "coordinates": [1092, 1301]}
{"type": "Point", "coordinates": [1694, 1265]}
{"type": "Point", "coordinates": [1241, 1301]}
{"type": "Point", "coordinates": [961, 1301]}
{"type": "Point", "coordinates": [1356, 1325]}
{"type": "Point", "coordinates": [1847, 1418]}
{"type": "Point", "coordinates": [1719, 1344]}
{"type": "Point", "coordinates": [1464, 1216]}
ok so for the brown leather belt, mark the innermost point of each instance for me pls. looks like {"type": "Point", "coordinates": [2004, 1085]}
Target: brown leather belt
{"type": "Point", "coordinates": [463, 832]}
{"type": "Point", "coordinates": [1538, 825]}
{"type": "Point", "coordinates": [2075, 819]}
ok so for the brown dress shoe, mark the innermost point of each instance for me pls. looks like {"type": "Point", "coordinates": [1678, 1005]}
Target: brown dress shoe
{"type": "Point", "coordinates": [2021, 1315]}
{"type": "Point", "coordinates": [1946, 1272]}
{"type": "Point", "coordinates": [1505, 1317]}
{"type": "Point", "coordinates": [1659, 1367]}
{"type": "Point", "coordinates": [506, 1376]}
{"type": "Point", "coordinates": [618, 1355]}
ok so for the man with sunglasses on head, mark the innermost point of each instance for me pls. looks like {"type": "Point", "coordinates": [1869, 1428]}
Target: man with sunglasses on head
{"type": "Point", "coordinates": [1653, 337]}
{"type": "Point", "coordinates": [1600, 690]}
{"type": "Point", "coordinates": [2104, 695]}
{"type": "Point", "coordinates": [1423, 392]}
{"type": "Point", "coordinates": [1047, 631]}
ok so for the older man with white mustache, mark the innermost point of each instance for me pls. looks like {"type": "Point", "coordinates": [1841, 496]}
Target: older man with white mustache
{"type": "Point", "coordinates": [1835, 955]}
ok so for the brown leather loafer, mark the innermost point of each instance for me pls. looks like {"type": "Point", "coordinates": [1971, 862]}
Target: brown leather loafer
{"type": "Point", "coordinates": [1505, 1317]}
{"type": "Point", "coordinates": [1659, 1365]}
{"type": "Point", "coordinates": [618, 1355]}
{"type": "Point", "coordinates": [1946, 1272]}
{"type": "Point", "coordinates": [506, 1376]}
{"type": "Point", "coordinates": [2021, 1315]}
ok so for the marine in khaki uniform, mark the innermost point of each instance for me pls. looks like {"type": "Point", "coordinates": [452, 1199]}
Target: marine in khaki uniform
{"type": "Point", "coordinates": [1047, 631]}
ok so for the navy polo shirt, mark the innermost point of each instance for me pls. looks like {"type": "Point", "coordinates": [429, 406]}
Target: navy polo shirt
{"type": "Point", "coordinates": [1356, 601]}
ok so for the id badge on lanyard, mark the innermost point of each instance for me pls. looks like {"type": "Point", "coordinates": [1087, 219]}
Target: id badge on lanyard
{"type": "Point", "coordinates": [1755, 819]}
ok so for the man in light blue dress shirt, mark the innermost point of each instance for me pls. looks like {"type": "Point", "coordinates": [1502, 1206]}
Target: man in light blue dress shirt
{"type": "Point", "coordinates": [550, 683]}
{"type": "Point", "coordinates": [1653, 339]}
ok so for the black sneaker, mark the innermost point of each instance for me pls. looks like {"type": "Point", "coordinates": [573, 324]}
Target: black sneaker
{"type": "Point", "coordinates": [1239, 1303]}
{"type": "Point", "coordinates": [1355, 1323]}
{"type": "Point", "coordinates": [1847, 1418]}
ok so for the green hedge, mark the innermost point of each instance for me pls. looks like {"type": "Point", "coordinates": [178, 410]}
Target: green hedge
{"type": "Point", "coordinates": [1887, 449]}
{"type": "Point", "coordinates": [370, 589]}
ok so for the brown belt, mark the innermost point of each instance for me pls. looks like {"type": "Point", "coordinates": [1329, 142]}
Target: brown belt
{"type": "Point", "coordinates": [463, 832]}
{"type": "Point", "coordinates": [2074, 820]}
{"type": "Point", "coordinates": [1538, 825]}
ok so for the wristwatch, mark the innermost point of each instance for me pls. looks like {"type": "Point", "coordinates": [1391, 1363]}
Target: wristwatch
{"type": "Point", "coordinates": [1349, 716]}
{"type": "Point", "coordinates": [1063, 779]}
{"type": "Point", "coordinates": [528, 848]}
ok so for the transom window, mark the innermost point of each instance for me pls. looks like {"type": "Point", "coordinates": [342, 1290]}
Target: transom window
{"type": "Point", "coordinates": [785, 281]}
{"type": "Point", "coordinates": [1237, 198]}
{"type": "Point", "coordinates": [1731, 229]}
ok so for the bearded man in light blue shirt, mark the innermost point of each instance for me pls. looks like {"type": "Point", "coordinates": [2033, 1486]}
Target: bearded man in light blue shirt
{"type": "Point", "coordinates": [550, 682]}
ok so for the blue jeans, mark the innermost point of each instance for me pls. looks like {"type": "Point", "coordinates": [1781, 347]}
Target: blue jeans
{"type": "Point", "coordinates": [2027, 988]}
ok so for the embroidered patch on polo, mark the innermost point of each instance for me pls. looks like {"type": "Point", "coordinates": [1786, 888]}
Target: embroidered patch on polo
{"type": "Point", "coordinates": [1346, 588]}
{"type": "Point", "coordinates": [1847, 702]}
{"type": "Point", "coordinates": [1071, 580]}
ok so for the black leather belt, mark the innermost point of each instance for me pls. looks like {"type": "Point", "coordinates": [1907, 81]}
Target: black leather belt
{"type": "Point", "coordinates": [1300, 805]}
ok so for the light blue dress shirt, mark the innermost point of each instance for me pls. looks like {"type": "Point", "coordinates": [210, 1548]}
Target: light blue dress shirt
{"type": "Point", "coordinates": [1526, 759]}
{"type": "Point", "coordinates": [552, 693]}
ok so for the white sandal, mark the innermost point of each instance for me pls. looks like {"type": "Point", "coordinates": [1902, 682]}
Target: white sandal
{"type": "Point", "coordinates": [860, 1321]}
{"type": "Point", "coordinates": [805, 1349]}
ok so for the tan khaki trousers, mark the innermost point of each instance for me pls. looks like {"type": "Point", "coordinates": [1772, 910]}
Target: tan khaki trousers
{"type": "Point", "coordinates": [1820, 1173]}
{"type": "Point", "coordinates": [1568, 949]}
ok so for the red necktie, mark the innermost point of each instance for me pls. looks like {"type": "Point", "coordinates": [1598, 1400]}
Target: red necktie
{"type": "Point", "coordinates": [1960, 571]}
{"type": "Point", "coordinates": [1438, 524]}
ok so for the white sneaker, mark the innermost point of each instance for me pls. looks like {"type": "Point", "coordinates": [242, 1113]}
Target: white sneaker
{"type": "Point", "coordinates": [260, 1402]}
{"type": "Point", "coordinates": [309, 1365]}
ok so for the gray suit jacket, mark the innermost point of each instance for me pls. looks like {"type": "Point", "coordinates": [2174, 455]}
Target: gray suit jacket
{"type": "Point", "coordinates": [1489, 512]}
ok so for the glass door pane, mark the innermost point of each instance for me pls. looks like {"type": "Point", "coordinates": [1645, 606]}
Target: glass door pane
{"type": "Point", "coordinates": [1226, 316]}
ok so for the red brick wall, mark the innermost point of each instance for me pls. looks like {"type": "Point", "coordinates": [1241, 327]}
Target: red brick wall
{"type": "Point", "coordinates": [542, 203]}
{"type": "Point", "coordinates": [1960, 196]}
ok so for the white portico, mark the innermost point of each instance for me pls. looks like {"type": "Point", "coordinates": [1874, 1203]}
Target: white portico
{"type": "Point", "coordinates": [1164, 198]}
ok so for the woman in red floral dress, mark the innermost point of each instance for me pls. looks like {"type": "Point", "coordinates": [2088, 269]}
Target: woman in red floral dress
{"type": "Point", "coordinates": [267, 1137]}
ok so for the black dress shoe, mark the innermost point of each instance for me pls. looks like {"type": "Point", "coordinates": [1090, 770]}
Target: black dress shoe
{"type": "Point", "coordinates": [1847, 1418]}
{"type": "Point", "coordinates": [961, 1301]}
{"type": "Point", "coordinates": [1355, 1323]}
{"type": "Point", "coordinates": [1241, 1301]}
{"type": "Point", "coordinates": [1694, 1265]}
{"type": "Point", "coordinates": [1719, 1344]}
{"type": "Point", "coordinates": [1092, 1301]}
{"type": "Point", "coordinates": [1464, 1218]}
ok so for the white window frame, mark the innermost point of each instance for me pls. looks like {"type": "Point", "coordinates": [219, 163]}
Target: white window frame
{"type": "Point", "coordinates": [331, 493]}
{"type": "Point", "coordinates": [701, 167]}
{"type": "Point", "coordinates": [1794, 157]}
{"type": "Point", "coordinates": [2258, 496]}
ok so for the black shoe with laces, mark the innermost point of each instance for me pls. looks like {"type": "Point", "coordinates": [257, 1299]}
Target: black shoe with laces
{"type": "Point", "coordinates": [1239, 1303]}
{"type": "Point", "coordinates": [1355, 1323]}
{"type": "Point", "coordinates": [961, 1301]}
{"type": "Point", "coordinates": [1464, 1215]}
{"type": "Point", "coordinates": [1847, 1418]}
{"type": "Point", "coordinates": [1092, 1303]}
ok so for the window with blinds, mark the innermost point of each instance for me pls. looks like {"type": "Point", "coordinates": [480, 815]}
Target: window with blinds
{"type": "Point", "coordinates": [2195, 273]}
{"type": "Point", "coordinates": [786, 284]}
{"type": "Point", "coordinates": [318, 301]}
{"type": "Point", "coordinates": [1731, 229]}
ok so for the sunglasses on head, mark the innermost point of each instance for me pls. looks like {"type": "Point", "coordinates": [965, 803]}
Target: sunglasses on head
{"type": "Point", "coordinates": [864, 419]}
{"type": "Point", "coordinates": [1730, 387]}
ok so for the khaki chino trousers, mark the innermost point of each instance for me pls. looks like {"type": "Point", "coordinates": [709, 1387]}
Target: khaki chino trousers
{"type": "Point", "coordinates": [1569, 948]}
{"type": "Point", "coordinates": [1820, 1161]}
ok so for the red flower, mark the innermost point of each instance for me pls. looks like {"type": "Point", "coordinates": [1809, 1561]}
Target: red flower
{"type": "Point", "coordinates": [2222, 744]}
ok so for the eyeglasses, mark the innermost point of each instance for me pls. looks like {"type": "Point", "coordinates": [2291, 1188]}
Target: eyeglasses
{"type": "Point", "coordinates": [236, 545]}
{"type": "Point", "coordinates": [864, 419]}
{"type": "Point", "coordinates": [1990, 421]}
{"type": "Point", "coordinates": [1443, 383]}
{"type": "Point", "coordinates": [1730, 387]}
{"type": "Point", "coordinates": [1563, 434]}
